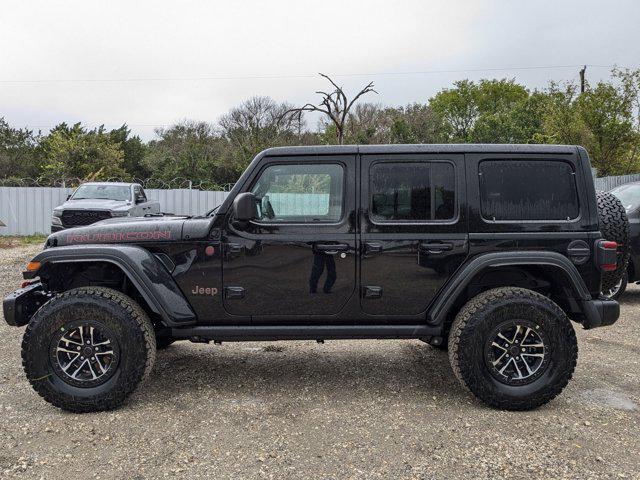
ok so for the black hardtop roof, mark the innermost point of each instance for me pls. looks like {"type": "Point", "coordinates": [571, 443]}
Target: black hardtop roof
{"type": "Point", "coordinates": [459, 148]}
{"type": "Point", "coordinates": [420, 148]}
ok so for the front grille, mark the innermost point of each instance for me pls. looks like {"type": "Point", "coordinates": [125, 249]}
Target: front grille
{"type": "Point", "coordinates": [76, 218]}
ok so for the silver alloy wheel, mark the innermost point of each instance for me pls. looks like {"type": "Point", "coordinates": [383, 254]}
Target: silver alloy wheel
{"type": "Point", "coordinates": [84, 354]}
{"type": "Point", "coordinates": [516, 352]}
{"type": "Point", "coordinates": [613, 291]}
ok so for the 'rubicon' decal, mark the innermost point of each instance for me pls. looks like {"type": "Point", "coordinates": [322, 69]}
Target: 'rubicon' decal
{"type": "Point", "coordinates": [118, 236]}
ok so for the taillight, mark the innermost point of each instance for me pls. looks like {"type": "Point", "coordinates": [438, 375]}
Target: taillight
{"type": "Point", "coordinates": [606, 256]}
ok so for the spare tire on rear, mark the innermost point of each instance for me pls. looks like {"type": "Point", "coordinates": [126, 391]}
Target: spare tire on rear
{"type": "Point", "coordinates": [614, 226]}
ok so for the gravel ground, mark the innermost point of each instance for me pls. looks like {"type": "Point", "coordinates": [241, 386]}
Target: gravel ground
{"type": "Point", "coordinates": [365, 409]}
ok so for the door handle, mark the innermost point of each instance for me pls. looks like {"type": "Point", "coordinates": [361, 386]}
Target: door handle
{"type": "Point", "coordinates": [371, 247]}
{"type": "Point", "coordinates": [371, 291]}
{"type": "Point", "coordinates": [436, 247]}
{"type": "Point", "coordinates": [331, 248]}
{"type": "Point", "coordinates": [234, 248]}
{"type": "Point", "coordinates": [234, 293]}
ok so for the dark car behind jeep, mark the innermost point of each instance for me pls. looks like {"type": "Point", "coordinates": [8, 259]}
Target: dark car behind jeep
{"type": "Point", "coordinates": [629, 196]}
{"type": "Point", "coordinates": [491, 251]}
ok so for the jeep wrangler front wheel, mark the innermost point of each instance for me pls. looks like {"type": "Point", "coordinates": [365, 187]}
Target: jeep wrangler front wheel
{"type": "Point", "coordinates": [513, 348]}
{"type": "Point", "coordinates": [88, 348]}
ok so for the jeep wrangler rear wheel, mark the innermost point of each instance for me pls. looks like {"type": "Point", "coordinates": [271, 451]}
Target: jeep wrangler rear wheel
{"type": "Point", "coordinates": [88, 348]}
{"type": "Point", "coordinates": [513, 348]}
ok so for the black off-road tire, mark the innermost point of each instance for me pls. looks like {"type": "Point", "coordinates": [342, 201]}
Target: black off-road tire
{"type": "Point", "coordinates": [163, 342]}
{"type": "Point", "coordinates": [614, 225]}
{"type": "Point", "coordinates": [471, 331]}
{"type": "Point", "coordinates": [131, 328]}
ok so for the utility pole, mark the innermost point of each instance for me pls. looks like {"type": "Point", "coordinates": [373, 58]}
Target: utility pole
{"type": "Point", "coordinates": [582, 72]}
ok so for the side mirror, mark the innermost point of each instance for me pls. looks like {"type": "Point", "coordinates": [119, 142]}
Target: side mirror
{"type": "Point", "coordinates": [244, 207]}
{"type": "Point", "coordinates": [68, 197]}
{"type": "Point", "coordinates": [140, 199]}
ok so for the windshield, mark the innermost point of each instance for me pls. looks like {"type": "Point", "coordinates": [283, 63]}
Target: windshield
{"type": "Point", "coordinates": [629, 195]}
{"type": "Point", "coordinates": [102, 192]}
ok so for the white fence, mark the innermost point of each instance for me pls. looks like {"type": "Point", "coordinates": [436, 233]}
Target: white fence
{"type": "Point", "coordinates": [27, 210]}
{"type": "Point", "coordinates": [607, 183]}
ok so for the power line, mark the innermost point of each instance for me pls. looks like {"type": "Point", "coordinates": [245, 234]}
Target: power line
{"type": "Point", "coordinates": [291, 76]}
{"type": "Point", "coordinates": [116, 123]}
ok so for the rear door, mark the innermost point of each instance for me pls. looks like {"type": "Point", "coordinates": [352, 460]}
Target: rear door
{"type": "Point", "coordinates": [414, 233]}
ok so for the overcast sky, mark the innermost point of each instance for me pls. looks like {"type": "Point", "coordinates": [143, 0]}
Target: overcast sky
{"type": "Point", "coordinates": [150, 64]}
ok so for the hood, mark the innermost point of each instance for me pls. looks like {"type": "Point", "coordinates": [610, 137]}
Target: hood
{"type": "Point", "coordinates": [95, 204]}
{"type": "Point", "coordinates": [134, 230]}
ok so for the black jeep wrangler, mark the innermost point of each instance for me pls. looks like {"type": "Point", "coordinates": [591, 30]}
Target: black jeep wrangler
{"type": "Point", "coordinates": [489, 250]}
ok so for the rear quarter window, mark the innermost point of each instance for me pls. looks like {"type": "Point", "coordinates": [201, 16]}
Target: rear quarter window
{"type": "Point", "coordinates": [528, 190]}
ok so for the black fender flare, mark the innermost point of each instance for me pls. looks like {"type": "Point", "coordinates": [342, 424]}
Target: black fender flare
{"type": "Point", "coordinates": [456, 285]}
{"type": "Point", "coordinates": [142, 268]}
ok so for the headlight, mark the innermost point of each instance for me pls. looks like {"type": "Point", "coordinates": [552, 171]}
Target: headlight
{"type": "Point", "coordinates": [120, 214]}
{"type": "Point", "coordinates": [56, 220]}
{"type": "Point", "coordinates": [57, 212]}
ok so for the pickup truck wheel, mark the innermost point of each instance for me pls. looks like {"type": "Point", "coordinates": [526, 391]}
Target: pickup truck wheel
{"type": "Point", "coordinates": [614, 225]}
{"type": "Point", "coordinates": [513, 348]}
{"type": "Point", "coordinates": [87, 349]}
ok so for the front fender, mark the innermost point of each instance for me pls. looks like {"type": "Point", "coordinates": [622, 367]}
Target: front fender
{"type": "Point", "coordinates": [142, 268]}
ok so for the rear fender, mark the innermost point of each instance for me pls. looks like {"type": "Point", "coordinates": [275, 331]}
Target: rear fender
{"type": "Point", "coordinates": [456, 286]}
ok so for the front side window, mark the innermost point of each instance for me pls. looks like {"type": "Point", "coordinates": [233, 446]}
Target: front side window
{"type": "Point", "coordinates": [300, 193]}
{"type": "Point", "coordinates": [516, 190]}
{"type": "Point", "coordinates": [139, 193]}
{"type": "Point", "coordinates": [412, 191]}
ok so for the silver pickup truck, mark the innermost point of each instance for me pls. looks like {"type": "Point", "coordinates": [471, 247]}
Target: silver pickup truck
{"type": "Point", "coordinates": [92, 202]}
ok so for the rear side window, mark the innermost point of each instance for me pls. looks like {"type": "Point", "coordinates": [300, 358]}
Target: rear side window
{"type": "Point", "coordinates": [412, 191]}
{"type": "Point", "coordinates": [528, 190]}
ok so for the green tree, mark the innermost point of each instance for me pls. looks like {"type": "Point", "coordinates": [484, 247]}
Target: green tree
{"type": "Point", "coordinates": [188, 151]}
{"type": "Point", "coordinates": [77, 153]}
{"type": "Point", "coordinates": [373, 124]}
{"type": "Point", "coordinates": [256, 124]}
{"type": "Point", "coordinates": [457, 109]}
{"type": "Point", "coordinates": [603, 119]}
{"type": "Point", "coordinates": [491, 111]}
{"type": "Point", "coordinates": [18, 152]}
{"type": "Point", "coordinates": [134, 151]}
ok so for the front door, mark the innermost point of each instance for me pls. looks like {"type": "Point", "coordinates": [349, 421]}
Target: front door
{"type": "Point", "coordinates": [297, 260]}
{"type": "Point", "coordinates": [413, 230]}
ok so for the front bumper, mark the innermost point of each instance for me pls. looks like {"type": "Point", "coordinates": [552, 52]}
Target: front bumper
{"type": "Point", "coordinates": [600, 312]}
{"type": "Point", "coordinates": [56, 228]}
{"type": "Point", "coordinates": [18, 307]}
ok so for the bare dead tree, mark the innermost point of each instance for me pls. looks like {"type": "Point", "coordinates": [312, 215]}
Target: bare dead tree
{"type": "Point", "coordinates": [334, 105]}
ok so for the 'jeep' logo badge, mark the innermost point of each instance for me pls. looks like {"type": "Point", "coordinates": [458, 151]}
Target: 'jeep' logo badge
{"type": "Point", "coordinates": [204, 290]}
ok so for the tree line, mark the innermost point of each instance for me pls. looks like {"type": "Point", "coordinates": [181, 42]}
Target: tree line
{"type": "Point", "coordinates": [605, 118]}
